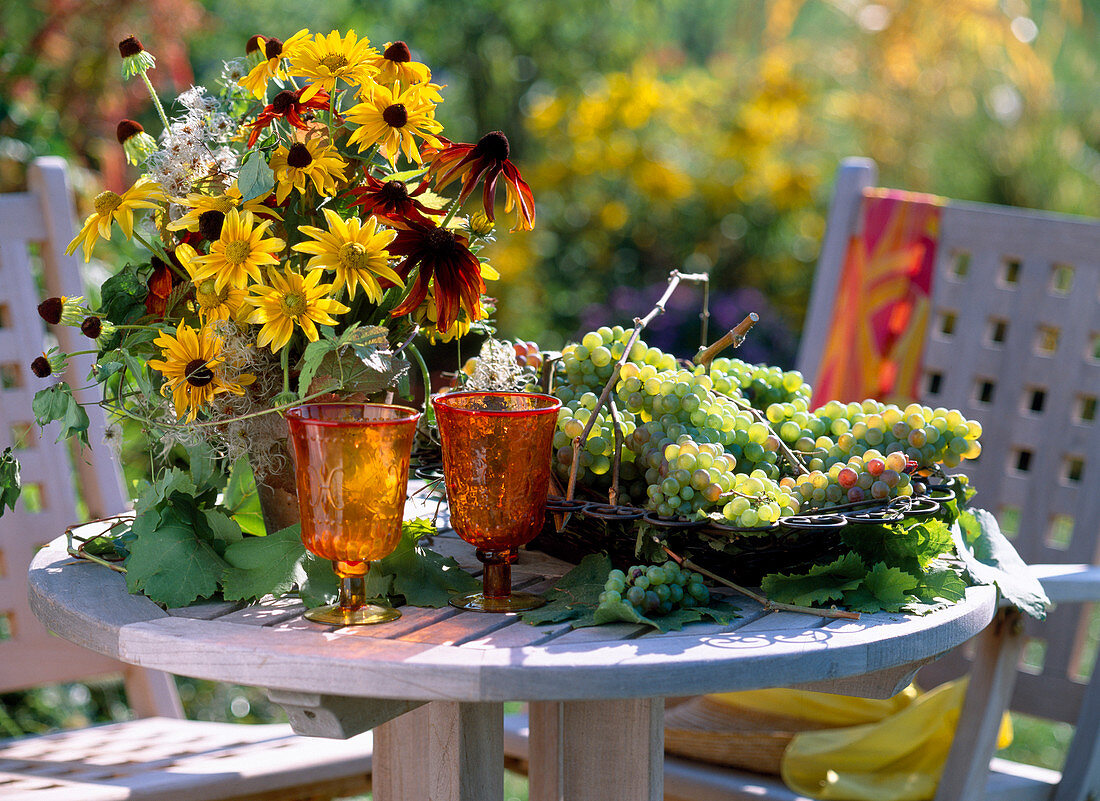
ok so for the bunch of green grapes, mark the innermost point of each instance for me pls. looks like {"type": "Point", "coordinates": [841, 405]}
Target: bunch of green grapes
{"type": "Point", "coordinates": [924, 435]}
{"type": "Point", "coordinates": [685, 477]}
{"type": "Point", "coordinates": [870, 476]}
{"type": "Point", "coordinates": [759, 384]}
{"type": "Point", "coordinates": [588, 365]}
{"type": "Point", "coordinates": [655, 589]}
{"type": "Point", "coordinates": [757, 501]}
{"type": "Point", "coordinates": [597, 450]}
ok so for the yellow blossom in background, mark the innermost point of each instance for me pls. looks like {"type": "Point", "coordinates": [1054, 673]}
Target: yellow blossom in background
{"type": "Point", "coordinates": [111, 207]}
{"type": "Point", "coordinates": [391, 118]}
{"type": "Point", "coordinates": [292, 301]}
{"type": "Point", "coordinates": [327, 59]}
{"type": "Point", "coordinates": [395, 65]}
{"type": "Point", "coordinates": [239, 253]}
{"type": "Point", "coordinates": [313, 161]}
{"type": "Point", "coordinates": [354, 250]}
{"type": "Point", "coordinates": [193, 369]}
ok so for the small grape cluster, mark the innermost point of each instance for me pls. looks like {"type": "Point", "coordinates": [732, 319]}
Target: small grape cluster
{"type": "Point", "coordinates": [655, 590]}
{"type": "Point", "coordinates": [758, 501]}
{"type": "Point", "coordinates": [759, 384]}
{"type": "Point", "coordinates": [870, 476]}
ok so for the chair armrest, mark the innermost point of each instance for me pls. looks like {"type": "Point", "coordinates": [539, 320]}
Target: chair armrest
{"type": "Point", "coordinates": [1069, 583]}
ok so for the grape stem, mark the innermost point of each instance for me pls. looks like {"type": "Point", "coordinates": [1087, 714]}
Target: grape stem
{"type": "Point", "coordinates": [841, 614]}
{"type": "Point", "coordinates": [674, 279]}
{"type": "Point", "coordinates": [613, 493]}
{"type": "Point", "coordinates": [783, 449]}
{"type": "Point", "coordinates": [735, 336]}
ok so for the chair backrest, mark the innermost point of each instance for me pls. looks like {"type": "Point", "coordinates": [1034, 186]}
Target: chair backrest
{"type": "Point", "coordinates": [1013, 341]}
{"type": "Point", "coordinates": [35, 227]}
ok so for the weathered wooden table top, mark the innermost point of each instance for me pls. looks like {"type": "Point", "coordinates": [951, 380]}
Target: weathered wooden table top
{"type": "Point", "coordinates": [452, 655]}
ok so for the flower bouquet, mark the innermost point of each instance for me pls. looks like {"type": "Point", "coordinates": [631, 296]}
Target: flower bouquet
{"type": "Point", "coordinates": [297, 240]}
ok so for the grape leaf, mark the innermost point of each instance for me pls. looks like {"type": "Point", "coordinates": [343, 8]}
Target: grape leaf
{"type": "Point", "coordinates": [882, 589]}
{"type": "Point", "coordinates": [718, 611]}
{"type": "Point", "coordinates": [10, 484]}
{"type": "Point", "coordinates": [123, 296]}
{"type": "Point", "coordinates": [909, 546]}
{"type": "Point", "coordinates": [241, 500]}
{"type": "Point", "coordinates": [422, 576]}
{"type": "Point", "coordinates": [822, 584]}
{"type": "Point", "coordinates": [260, 566]}
{"type": "Point", "coordinates": [940, 585]}
{"type": "Point", "coordinates": [990, 559]}
{"type": "Point", "coordinates": [168, 562]}
{"type": "Point", "coordinates": [320, 586]}
{"type": "Point", "coordinates": [170, 482]}
{"type": "Point", "coordinates": [576, 595]}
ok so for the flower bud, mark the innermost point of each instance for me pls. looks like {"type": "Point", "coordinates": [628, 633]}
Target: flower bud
{"type": "Point", "coordinates": [92, 327]}
{"type": "Point", "coordinates": [480, 224]}
{"type": "Point", "coordinates": [62, 310]}
{"type": "Point", "coordinates": [135, 58]}
{"type": "Point", "coordinates": [137, 144]}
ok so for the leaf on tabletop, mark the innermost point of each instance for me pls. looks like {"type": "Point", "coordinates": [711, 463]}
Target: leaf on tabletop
{"type": "Point", "coordinates": [576, 594]}
{"type": "Point", "coordinates": [222, 527]}
{"type": "Point", "coordinates": [169, 563]}
{"type": "Point", "coordinates": [882, 589]}
{"type": "Point", "coordinates": [941, 585]}
{"type": "Point", "coordinates": [625, 613]}
{"type": "Point", "coordinates": [910, 546]}
{"type": "Point", "coordinates": [320, 586]}
{"type": "Point", "coordinates": [255, 179]}
{"type": "Point", "coordinates": [821, 584]}
{"type": "Point", "coordinates": [10, 483]}
{"type": "Point", "coordinates": [171, 481]}
{"type": "Point", "coordinates": [422, 576]}
{"type": "Point", "coordinates": [260, 566]}
{"type": "Point", "coordinates": [990, 559]}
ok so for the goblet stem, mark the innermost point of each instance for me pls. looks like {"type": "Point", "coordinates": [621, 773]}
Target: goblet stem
{"type": "Point", "coordinates": [353, 592]}
{"type": "Point", "coordinates": [496, 581]}
{"type": "Point", "coordinates": [351, 607]}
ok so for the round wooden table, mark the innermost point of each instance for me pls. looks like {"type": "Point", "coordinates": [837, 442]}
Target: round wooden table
{"type": "Point", "coordinates": [433, 681]}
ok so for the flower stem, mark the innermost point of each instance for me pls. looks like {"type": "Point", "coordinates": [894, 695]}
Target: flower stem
{"type": "Point", "coordinates": [284, 359]}
{"type": "Point", "coordinates": [450, 213]}
{"type": "Point", "coordinates": [156, 100]}
{"type": "Point", "coordinates": [429, 412]}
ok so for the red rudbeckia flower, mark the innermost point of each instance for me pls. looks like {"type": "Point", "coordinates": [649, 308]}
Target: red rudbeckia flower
{"type": "Point", "coordinates": [287, 105]}
{"type": "Point", "coordinates": [487, 159]}
{"type": "Point", "coordinates": [393, 201]}
{"type": "Point", "coordinates": [444, 256]}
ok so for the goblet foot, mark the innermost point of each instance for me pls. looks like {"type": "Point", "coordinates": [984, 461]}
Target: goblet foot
{"type": "Point", "coordinates": [516, 602]}
{"type": "Point", "coordinates": [336, 615]}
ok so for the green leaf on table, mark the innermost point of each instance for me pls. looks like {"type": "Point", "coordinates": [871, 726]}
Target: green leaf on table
{"type": "Point", "coordinates": [718, 611]}
{"type": "Point", "coordinates": [222, 527]}
{"type": "Point", "coordinates": [576, 595]}
{"type": "Point", "coordinates": [822, 584]}
{"type": "Point", "coordinates": [882, 589]}
{"type": "Point", "coordinates": [422, 576]}
{"type": "Point", "coordinates": [10, 483]}
{"type": "Point", "coordinates": [990, 559]}
{"type": "Point", "coordinates": [909, 546]}
{"type": "Point", "coordinates": [57, 403]}
{"type": "Point", "coordinates": [255, 178]}
{"type": "Point", "coordinates": [940, 585]}
{"type": "Point", "coordinates": [241, 499]}
{"type": "Point", "coordinates": [171, 481]}
{"type": "Point", "coordinates": [168, 562]}
{"type": "Point", "coordinates": [260, 566]}
{"type": "Point", "coordinates": [320, 586]}
{"type": "Point", "coordinates": [123, 296]}
{"type": "Point", "coordinates": [202, 464]}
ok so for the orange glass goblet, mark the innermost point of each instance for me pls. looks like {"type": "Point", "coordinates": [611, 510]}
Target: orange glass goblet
{"type": "Point", "coordinates": [352, 468]}
{"type": "Point", "coordinates": [496, 461]}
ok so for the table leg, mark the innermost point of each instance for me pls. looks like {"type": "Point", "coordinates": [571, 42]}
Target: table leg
{"type": "Point", "coordinates": [596, 750]}
{"type": "Point", "coordinates": [442, 751]}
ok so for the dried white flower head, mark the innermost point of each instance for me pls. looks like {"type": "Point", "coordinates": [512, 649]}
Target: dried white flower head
{"type": "Point", "coordinates": [496, 369]}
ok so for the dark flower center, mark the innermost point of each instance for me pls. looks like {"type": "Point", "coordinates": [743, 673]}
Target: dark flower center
{"type": "Point", "coordinates": [210, 224]}
{"type": "Point", "coordinates": [41, 367]}
{"type": "Point", "coordinates": [126, 129]}
{"type": "Point", "coordinates": [440, 241]}
{"type": "Point", "coordinates": [197, 373]}
{"type": "Point", "coordinates": [92, 327]}
{"type": "Point", "coordinates": [394, 192]}
{"type": "Point", "coordinates": [50, 310]}
{"type": "Point", "coordinates": [255, 42]}
{"type": "Point", "coordinates": [273, 48]}
{"type": "Point", "coordinates": [283, 102]}
{"type": "Point", "coordinates": [395, 116]}
{"type": "Point", "coordinates": [494, 146]}
{"type": "Point", "coordinates": [398, 51]}
{"type": "Point", "coordinates": [130, 46]}
{"type": "Point", "coordinates": [299, 156]}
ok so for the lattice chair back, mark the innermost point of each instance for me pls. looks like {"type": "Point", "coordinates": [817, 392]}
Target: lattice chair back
{"type": "Point", "coordinates": [35, 227]}
{"type": "Point", "coordinates": [999, 317]}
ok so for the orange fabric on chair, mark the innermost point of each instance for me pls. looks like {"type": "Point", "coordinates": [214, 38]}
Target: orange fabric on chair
{"type": "Point", "coordinates": [881, 309]}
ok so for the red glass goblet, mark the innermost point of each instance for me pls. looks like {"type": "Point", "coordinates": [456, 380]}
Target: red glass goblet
{"type": "Point", "coordinates": [352, 469]}
{"type": "Point", "coordinates": [496, 461]}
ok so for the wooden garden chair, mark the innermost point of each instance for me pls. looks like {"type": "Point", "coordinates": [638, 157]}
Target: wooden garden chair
{"type": "Point", "coordinates": [1013, 340]}
{"type": "Point", "coordinates": [159, 755]}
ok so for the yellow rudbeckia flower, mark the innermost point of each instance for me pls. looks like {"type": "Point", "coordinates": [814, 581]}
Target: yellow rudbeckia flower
{"type": "Point", "coordinates": [193, 369]}
{"type": "Point", "coordinates": [109, 207]}
{"type": "Point", "coordinates": [391, 117]}
{"type": "Point", "coordinates": [292, 300]}
{"type": "Point", "coordinates": [302, 162]}
{"type": "Point", "coordinates": [239, 252]}
{"type": "Point", "coordinates": [355, 251]}
{"type": "Point", "coordinates": [326, 59]}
